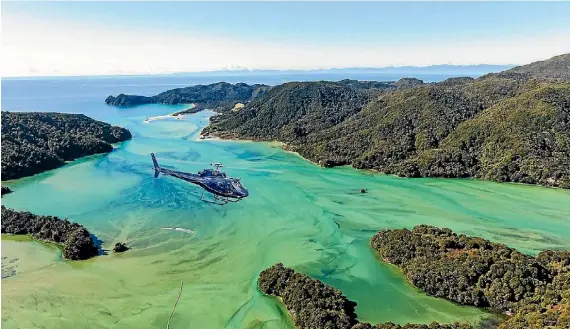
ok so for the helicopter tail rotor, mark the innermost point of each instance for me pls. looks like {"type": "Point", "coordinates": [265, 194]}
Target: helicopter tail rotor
{"type": "Point", "coordinates": [156, 166]}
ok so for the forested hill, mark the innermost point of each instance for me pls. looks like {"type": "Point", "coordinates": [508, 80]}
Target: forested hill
{"type": "Point", "coordinates": [35, 142]}
{"type": "Point", "coordinates": [293, 110]}
{"type": "Point", "coordinates": [512, 126]}
{"type": "Point", "coordinates": [223, 96]}
{"type": "Point", "coordinates": [220, 95]}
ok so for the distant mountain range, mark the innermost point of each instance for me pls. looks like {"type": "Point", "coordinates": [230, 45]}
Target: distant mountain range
{"type": "Point", "coordinates": [442, 69]}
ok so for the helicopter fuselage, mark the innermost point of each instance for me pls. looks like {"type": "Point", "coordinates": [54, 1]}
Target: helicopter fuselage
{"type": "Point", "coordinates": [213, 181]}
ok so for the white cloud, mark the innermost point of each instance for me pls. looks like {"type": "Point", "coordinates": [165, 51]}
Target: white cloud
{"type": "Point", "coordinates": [31, 47]}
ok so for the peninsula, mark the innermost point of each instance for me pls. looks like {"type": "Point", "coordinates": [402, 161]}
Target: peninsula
{"type": "Point", "coordinates": [6, 190]}
{"type": "Point", "coordinates": [221, 96]}
{"type": "Point", "coordinates": [475, 271]}
{"type": "Point", "coordinates": [76, 241]}
{"type": "Point", "coordinates": [33, 142]}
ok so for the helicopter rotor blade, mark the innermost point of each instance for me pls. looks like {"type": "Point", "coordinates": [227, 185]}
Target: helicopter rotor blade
{"type": "Point", "coordinates": [238, 166]}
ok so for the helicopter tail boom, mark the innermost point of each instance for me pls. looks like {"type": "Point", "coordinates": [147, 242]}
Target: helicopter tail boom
{"type": "Point", "coordinates": [156, 166]}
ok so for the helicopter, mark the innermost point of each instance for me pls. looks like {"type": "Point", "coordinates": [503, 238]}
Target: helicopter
{"type": "Point", "coordinates": [223, 189]}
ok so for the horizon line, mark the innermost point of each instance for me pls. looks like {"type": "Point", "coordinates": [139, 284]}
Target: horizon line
{"type": "Point", "coordinates": [249, 70]}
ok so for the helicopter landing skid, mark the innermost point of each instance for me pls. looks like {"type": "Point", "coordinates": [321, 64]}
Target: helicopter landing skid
{"type": "Point", "coordinates": [219, 200]}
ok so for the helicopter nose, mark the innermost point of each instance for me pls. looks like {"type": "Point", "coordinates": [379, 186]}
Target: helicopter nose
{"type": "Point", "coordinates": [240, 189]}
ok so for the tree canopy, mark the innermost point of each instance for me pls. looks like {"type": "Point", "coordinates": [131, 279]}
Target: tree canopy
{"type": "Point", "coordinates": [33, 142]}
{"type": "Point", "coordinates": [76, 240]}
{"type": "Point", "coordinates": [315, 305]}
{"type": "Point", "coordinates": [475, 271]}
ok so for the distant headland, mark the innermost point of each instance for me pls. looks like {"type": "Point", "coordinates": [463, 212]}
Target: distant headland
{"type": "Point", "coordinates": [221, 96]}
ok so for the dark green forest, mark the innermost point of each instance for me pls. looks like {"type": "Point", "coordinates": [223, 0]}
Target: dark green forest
{"type": "Point", "coordinates": [76, 241]}
{"type": "Point", "coordinates": [34, 142]}
{"type": "Point", "coordinates": [6, 190]}
{"type": "Point", "coordinates": [512, 126]}
{"type": "Point", "coordinates": [475, 271]}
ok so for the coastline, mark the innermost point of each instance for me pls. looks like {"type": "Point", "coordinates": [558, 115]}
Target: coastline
{"type": "Point", "coordinates": [284, 146]}
{"type": "Point", "coordinates": [329, 307]}
{"type": "Point", "coordinates": [116, 146]}
{"type": "Point", "coordinates": [179, 115]}
{"type": "Point", "coordinates": [74, 240]}
{"type": "Point", "coordinates": [273, 143]}
{"type": "Point", "coordinates": [506, 309]}
{"type": "Point", "coordinates": [124, 267]}
{"type": "Point", "coordinates": [71, 137]}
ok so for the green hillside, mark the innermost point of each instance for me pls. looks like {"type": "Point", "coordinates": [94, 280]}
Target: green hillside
{"type": "Point", "coordinates": [508, 127]}
{"type": "Point", "coordinates": [557, 67]}
{"type": "Point", "coordinates": [293, 111]}
{"type": "Point", "coordinates": [522, 139]}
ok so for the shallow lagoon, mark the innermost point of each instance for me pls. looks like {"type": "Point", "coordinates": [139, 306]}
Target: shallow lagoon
{"type": "Point", "coordinates": [309, 218]}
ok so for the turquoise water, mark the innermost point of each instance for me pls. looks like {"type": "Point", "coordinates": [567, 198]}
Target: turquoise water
{"type": "Point", "coordinates": [310, 218]}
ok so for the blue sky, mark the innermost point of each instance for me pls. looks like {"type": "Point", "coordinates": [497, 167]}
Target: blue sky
{"type": "Point", "coordinates": [115, 37]}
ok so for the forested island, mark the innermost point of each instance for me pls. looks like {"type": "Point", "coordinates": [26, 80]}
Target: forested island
{"type": "Point", "coordinates": [76, 241]}
{"type": "Point", "coordinates": [33, 142]}
{"type": "Point", "coordinates": [533, 291]}
{"type": "Point", "coordinates": [512, 126]}
{"type": "Point", "coordinates": [221, 96]}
